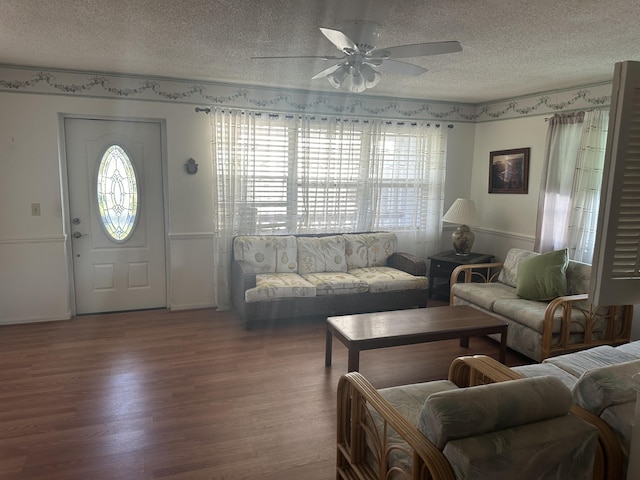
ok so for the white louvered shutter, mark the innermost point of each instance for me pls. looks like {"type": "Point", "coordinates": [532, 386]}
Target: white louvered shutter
{"type": "Point", "coordinates": [615, 275]}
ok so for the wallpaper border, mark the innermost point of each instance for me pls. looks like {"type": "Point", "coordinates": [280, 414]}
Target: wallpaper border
{"type": "Point", "coordinates": [157, 89]}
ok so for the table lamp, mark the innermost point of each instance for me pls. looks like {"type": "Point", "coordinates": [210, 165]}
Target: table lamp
{"type": "Point", "coordinates": [462, 212]}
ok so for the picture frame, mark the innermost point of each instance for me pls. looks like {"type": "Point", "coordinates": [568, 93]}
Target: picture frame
{"type": "Point", "coordinates": [509, 171]}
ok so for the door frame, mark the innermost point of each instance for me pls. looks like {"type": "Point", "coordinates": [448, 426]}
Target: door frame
{"type": "Point", "coordinates": [64, 187]}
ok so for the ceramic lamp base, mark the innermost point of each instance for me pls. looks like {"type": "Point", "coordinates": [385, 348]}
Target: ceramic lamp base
{"type": "Point", "coordinates": [463, 239]}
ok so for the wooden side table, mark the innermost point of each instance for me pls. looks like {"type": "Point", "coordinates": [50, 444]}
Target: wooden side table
{"type": "Point", "coordinates": [443, 264]}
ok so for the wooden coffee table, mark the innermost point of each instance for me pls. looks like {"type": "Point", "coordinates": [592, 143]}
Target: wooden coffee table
{"type": "Point", "coordinates": [368, 331]}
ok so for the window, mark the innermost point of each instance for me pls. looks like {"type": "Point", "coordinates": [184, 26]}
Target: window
{"type": "Point", "coordinates": [307, 175]}
{"type": "Point", "coordinates": [117, 194]}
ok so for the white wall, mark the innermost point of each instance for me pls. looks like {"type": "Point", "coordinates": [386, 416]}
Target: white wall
{"type": "Point", "coordinates": [506, 220]}
{"type": "Point", "coordinates": [34, 274]}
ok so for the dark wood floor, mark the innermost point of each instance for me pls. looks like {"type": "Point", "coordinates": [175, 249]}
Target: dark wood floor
{"type": "Point", "coordinates": [186, 395]}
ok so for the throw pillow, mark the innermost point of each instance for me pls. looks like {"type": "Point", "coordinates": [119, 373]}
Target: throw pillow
{"type": "Point", "coordinates": [543, 277]}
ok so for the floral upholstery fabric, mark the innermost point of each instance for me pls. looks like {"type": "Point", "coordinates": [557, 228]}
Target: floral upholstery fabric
{"type": "Point", "coordinates": [387, 279]}
{"type": "Point", "coordinates": [321, 254]}
{"type": "Point", "coordinates": [328, 283]}
{"type": "Point", "coordinates": [580, 362]}
{"type": "Point", "coordinates": [509, 273]}
{"type": "Point", "coordinates": [468, 412]}
{"type": "Point", "coordinates": [516, 429]}
{"type": "Point", "coordinates": [279, 285]}
{"type": "Point", "coordinates": [620, 419]}
{"type": "Point", "coordinates": [561, 448]}
{"type": "Point", "coordinates": [408, 401]}
{"type": "Point", "coordinates": [369, 249]}
{"type": "Point", "coordinates": [483, 294]}
{"type": "Point", "coordinates": [268, 254]}
{"type": "Point", "coordinates": [601, 388]}
{"type": "Point", "coordinates": [542, 369]}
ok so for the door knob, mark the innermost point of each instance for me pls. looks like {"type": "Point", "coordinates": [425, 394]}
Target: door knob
{"type": "Point", "coordinates": [78, 234]}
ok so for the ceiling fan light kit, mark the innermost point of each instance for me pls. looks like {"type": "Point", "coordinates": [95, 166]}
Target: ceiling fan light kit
{"type": "Point", "coordinates": [360, 65]}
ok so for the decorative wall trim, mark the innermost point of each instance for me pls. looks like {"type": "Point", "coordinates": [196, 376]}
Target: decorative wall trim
{"type": "Point", "coordinates": [159, 89]}
{"type": "Point", "coordinates": [191, 236]}
{"type": "Point", "coordinates": [505, 234]}
{"type": "Point", "coordinates": [33, 239]}
{"type": "Point", "coordinates": [15, 321]}
{"type": "Point", "coordinates": [190, 306]}
{"type": "Point", "coordinates": [549, 103]}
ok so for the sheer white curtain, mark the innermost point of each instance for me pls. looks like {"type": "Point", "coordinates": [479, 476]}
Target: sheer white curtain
{"type": "Point", "coordinates": [311, 174]}
{"type": "Point", "coordinates": [561, 150]}
{"type": "Point", "coordinates": [585, 195]}
{"type": "Point", "coordinates": [570, 192]}
{"type": "Point", "coordinates": [406, 178]}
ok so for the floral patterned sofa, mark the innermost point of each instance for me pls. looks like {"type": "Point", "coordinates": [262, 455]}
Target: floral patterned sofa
{"type": "Point", "coordinates": [292, 276]}
{"type": "Point", "coordinates": [461, 428]}
{"type": "Point", "coordinates": [543, 299]}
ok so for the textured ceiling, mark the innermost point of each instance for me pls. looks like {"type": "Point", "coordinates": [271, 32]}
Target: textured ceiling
{"type": "Point", "coordinates": [511, 47]}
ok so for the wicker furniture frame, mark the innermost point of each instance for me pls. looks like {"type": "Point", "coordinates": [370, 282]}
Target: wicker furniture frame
{"type": "Point", "coordinates": [564, 341]}
{"type": "Point", "coordinates": [357, 440]}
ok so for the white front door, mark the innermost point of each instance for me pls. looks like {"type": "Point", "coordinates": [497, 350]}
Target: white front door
{"type": "Point", "coordinates": [114, 171]}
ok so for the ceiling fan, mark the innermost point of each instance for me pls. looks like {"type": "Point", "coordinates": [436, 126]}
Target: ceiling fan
{"type": "Point", "coordinates": [361, 63]}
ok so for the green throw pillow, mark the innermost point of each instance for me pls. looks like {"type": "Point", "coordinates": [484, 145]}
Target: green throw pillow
{"type": "Point", "coordinates": [543, 277]}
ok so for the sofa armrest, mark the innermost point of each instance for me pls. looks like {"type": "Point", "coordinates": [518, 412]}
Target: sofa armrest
{"type": "Point", "coordinates": [407, 263]}
{"type": "Point", "coordinates": [577, 309]}
{"type": "Point", "coordinates": [357, 398]}
{"type": "Point", "coordinates": [479, 272]}
{"type": "Point", "coordinates": [469, 371]}
{"type": "Point", "coordinates": [243, 277]}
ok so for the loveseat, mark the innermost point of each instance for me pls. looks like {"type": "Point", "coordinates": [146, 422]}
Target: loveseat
{"type": "Point", "coordinates": [461, 429]}
{"type": "Point", "coordinates": [291, 276]}
{"type": "Point", "coordinates": [543, 299]}
{"type": "Point", "coordinates": [604, 381]}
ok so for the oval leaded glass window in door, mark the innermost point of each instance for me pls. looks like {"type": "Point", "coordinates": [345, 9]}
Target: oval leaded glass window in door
{"type": "Point", "coordinates": [117, 191]}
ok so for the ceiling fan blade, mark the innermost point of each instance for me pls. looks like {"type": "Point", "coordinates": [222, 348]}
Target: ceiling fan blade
{"type": "Point", "coordinates": [340, 40]}
{"type": "Point", "coordinates": [327, 71]}
{"type": "Point", "coordinates": [417, 50]}
{"type": "Point", "coordinates": [321, 57]}
{"type": "Point", "coordinates": [402, 68]}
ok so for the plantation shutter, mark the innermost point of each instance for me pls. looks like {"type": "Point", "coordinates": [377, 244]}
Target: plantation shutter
{"type": "Point", "coordinates": [615, 275]}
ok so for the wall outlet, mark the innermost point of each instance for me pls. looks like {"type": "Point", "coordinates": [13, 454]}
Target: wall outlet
{"type": "Point", "coordinates": [35, 209]}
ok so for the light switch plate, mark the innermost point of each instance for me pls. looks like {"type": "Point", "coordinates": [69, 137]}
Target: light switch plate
{"type": "Point", "coordinates": [35, 209]}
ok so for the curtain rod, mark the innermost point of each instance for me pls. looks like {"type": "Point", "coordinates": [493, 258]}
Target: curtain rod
{"type": "Point", "coordinates": [207, 110]}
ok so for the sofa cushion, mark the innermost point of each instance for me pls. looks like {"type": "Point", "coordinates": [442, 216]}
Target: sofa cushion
{"type": "Point", "coordinates": [604, 387]}
{"type": "Point", "coordinates": [267, 254]}
{"type": "Point", "coordinates": [321, 254]}
{"type": "Point", "coordinates": [338, 283]}
{"type": "Point", "coordinates": [578, 277]}
{"type": "Point", "coordinates": [409, 399]}
{"type": "Point", "coordinates": [387, 279]}
{"type": "Point", "coordinates": [472, 411]}
{"type": "Point", "coordinates": [578, 363]}
{"type": "Point", "coordinates": [542, 369]}
{"type": "Point", "coordinates": [526, 312]}
{"type": "Point", "coordinates": [369, 249]}
{"type": "Point", "coordinates": [631, 348]}
{"type": "Point", "coordinates": [279, 285]}
{"type": "Point", "coordinates": [543, 277]}
{"type": "Point", "coordinates": [483, 294]}
{"type": "Point", "coordinates": [621, 418]}
{"type": "Point", "coordinates": [509, 272]}
{"type": "Point", "coordinates": [560, 448]}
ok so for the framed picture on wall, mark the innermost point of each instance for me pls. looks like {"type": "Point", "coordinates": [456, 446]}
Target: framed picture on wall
{"type": "Point", "coordinates": [509, 171]}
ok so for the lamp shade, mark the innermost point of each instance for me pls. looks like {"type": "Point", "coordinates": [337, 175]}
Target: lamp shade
{"type": "Point", "coordinates": [463, 212]}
